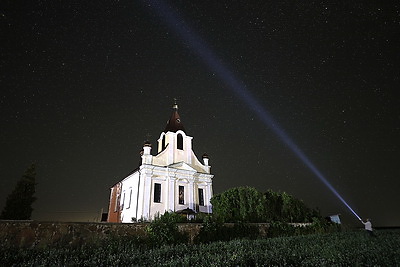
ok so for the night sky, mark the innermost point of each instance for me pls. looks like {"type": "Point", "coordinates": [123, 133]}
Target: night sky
{"type": "Point", "coordinates": [84, 83]}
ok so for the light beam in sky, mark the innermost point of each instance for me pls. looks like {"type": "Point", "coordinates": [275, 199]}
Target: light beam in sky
{"type": "Point", "coordinates": [206, 54]}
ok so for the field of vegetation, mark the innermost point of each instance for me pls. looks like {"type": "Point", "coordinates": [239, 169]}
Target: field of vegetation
{"type": "Point", "coordinates": [239, 243]}
{"type": "Point", "coordinates": [354, 248]}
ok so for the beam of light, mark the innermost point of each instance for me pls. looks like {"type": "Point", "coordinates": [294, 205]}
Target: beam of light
{"type": "Point", "coordinates": [201, 49]}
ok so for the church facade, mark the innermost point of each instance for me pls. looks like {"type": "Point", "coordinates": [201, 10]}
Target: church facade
{"type": "Point", "coordinates": [172, 180]}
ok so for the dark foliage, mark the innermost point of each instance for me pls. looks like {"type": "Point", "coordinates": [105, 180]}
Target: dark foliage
{"type": "Point", "coordinates": [334, 249]}
{"type": "Point", "coordinates": [239, 204]}
{"type": "Point", "coordinates": [163, 230]}
{"type": "Point", "coordinates": [280, 206]}
{"type": "Point", "coordinates": [19, 202]}
{"type": "Point", "coordinates": [214, 230]}
{"type": "Point", "coordinates": [246, 204]}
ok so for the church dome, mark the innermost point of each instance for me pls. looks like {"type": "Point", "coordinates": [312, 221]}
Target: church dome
{"type": "Point", "coordinates": [174, 124]}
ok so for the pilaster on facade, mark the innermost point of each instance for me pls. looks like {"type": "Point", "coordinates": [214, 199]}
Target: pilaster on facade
{"type": "Point", "coordinates": [170, 147]}
{"type": "Point", "coordinates": [147, 197]}
{"type": "Point", "coordinates": [171, 192]}
{"type": "Point", "coordinates": [209, 195]}
{"type": "Point", "coordinates": [191, 195]}
{"type": "Point", "coordinates": [188, 150]}
{"type": "Point", "coordinates": [144, 197]}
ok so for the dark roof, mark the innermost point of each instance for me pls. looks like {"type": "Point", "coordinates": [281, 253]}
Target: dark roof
{"type": "Point", "coordinates": [174, 123]}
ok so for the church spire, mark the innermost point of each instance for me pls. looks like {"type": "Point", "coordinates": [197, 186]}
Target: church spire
{"type": "Point", "coordinates": [174, 123]}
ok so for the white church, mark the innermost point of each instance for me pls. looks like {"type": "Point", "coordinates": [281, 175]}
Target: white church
{"type": "Point", "coordinates": [172, 180]}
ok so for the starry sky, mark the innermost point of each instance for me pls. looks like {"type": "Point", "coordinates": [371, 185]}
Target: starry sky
{"type": "Point", "coordinates": [85, 83]}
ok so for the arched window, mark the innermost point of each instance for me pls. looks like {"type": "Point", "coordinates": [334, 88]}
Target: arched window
{"type": "Point", "coordinates": [163, 143]}
{"type": "Point", "coordinates": [180, 142]}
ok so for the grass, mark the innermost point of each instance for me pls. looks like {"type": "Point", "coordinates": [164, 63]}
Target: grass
{"type": "Point", "coordinates": [355, 248]}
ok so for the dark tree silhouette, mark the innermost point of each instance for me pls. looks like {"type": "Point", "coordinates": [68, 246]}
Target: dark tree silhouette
{"type": "Point", "coordinates": [247, 204]}
{"type": "Point", "coordinates": [19, 202]}
{"type": "Point", "coordinates": [244, 204]}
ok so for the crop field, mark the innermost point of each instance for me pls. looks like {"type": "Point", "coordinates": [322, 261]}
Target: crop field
{"type": "Point", "coordinates": [354, 248]}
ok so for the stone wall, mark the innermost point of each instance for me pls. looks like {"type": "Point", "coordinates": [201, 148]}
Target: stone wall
{"type": "Point", "coordinates": [43, 234]}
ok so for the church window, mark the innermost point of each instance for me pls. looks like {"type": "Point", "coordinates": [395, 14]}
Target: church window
{"type": "Point", "coordinates": [157, 193]}
{"type": "Point", "coordinates": [118, 198]}
{"type": "Point", "coordinates": [181, 195]}
{"type": "Point", "coordinates": [163, 143]}
{"type": "Point", "coordinates": [123, 202]}
{"type": "Point", "coordinates": [130, 199]}
{"type": "Point", "coordinates": [201, 197]}
{"type": "Point", "coordinates": [180, 142]}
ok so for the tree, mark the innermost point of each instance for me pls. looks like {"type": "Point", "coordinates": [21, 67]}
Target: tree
{"type": "Point", "coordinates": [239, 204]}
{"type": "Point", "coordinates": [19, 202]}
{"type": "Point", "coordinates": [286, 208]}
{"type": "Point", "coordinates": [246, 204]}
{"type": "Point", "coordinates": [274, 205]}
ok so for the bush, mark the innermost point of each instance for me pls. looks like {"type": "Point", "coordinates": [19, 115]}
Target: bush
{"type": "Point", "coordinates": [247, 204]}
{"type": "Point", "coordinates": [215, 230]}
{"type": "Point", "coordinates": [199, 218]}
{"type": "Point", "coordinates": [211, 230]}
{"type": "Point", "coordinates": [244, 204]}
{"type": "Point", "coordinates": [164, 230]}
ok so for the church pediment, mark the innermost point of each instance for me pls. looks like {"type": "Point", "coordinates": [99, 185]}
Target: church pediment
{"type": "Point", "coordinates": [182, 166]}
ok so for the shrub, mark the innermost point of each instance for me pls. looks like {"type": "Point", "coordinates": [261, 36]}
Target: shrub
{"type": "Point", "coordinates": [164, 230]}
{"type": "Point", "coordinates": [280, 206]}
{"type": "Point", "coordinates": [244, 204]}
{"type": "Point", "coordinates": [215, 230]}
{"type": "Point", "coordinates": [211, 230]}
